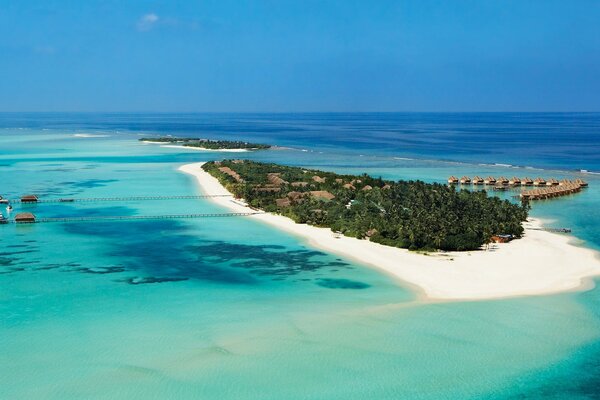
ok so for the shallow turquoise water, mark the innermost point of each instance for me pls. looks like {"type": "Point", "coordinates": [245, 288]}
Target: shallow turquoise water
{"type": "Point", "coordinates": [228, 308]}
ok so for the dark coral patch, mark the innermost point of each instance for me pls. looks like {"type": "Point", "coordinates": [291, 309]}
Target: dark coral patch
{"type": "Point", "coordinates": [341, 284]}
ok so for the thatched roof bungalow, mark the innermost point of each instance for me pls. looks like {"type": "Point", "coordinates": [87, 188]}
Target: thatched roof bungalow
{"type": "Point", "coordinates": [502, 180]}
{"type": "Point", "coordinates": [349, 186]}
{"type": "Point", "coordinates": [490, 180]}
{"type": "Point", "coordinates": [318, 179]}
{"type": "Point", "coordinates": [526, 181]}
{"type": "Point", "coordinates": [477, 180]}
{"type": "Point", "coordinates": [453, 180]}
{"type": "Point", "coordinates": [514, 181]}
{"type": "Point", "coordinates": [539, 182]}
{"type": "Point", "coordinates": [299, 184]}
{"type": "Point", "coordinates": [367, 187]}
{"type": "Point", "coordinates": [465, 179]}
{"type": "Point", "coordinates": [284, 202]}
{"type": "Point", "coordinates": [231, 173]}
{"type": "Point", "coordinates": [275, 178]}
{"type": "Point", "coordinates": [322, 195]}
{"type": "Point", "coordinates": [581, 182]}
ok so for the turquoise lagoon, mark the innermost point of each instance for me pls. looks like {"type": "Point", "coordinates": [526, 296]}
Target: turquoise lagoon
{"type": "Point", "coordinates": [229, 308]}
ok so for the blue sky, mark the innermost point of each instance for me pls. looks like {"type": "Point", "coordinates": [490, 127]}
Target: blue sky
{"type": "Point", "coordinates": [247, 56]}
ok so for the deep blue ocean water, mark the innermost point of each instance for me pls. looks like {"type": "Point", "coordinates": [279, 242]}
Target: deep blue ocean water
{"type": "Point", "coordinates": [229, 308]}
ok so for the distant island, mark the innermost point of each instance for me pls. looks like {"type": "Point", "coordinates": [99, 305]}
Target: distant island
{"type": "Point", "coordinates": [405, 214]}
{"type": "Point", "coordinates": [207, 144]}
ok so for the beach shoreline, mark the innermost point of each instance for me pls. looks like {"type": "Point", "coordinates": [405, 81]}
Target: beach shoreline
{"type": "Point", "coordinates": [540, 263]}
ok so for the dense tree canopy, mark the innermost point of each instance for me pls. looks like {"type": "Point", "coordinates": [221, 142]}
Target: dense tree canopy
{"type": "Point", "coordinates": [407, 214]}
{"type": "Point", "coordinates": [208, 143]}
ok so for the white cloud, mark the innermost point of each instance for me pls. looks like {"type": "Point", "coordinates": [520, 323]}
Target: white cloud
{"type": "Point", "coordinates": [147, 22]}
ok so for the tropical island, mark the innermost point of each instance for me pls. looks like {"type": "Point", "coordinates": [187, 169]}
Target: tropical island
{"type": "Point", "coordinates": [206, 144]}
{"type": "Point", "coordinates": [539, 262]}
{"type": "Point", "coordinates": [406, 214]}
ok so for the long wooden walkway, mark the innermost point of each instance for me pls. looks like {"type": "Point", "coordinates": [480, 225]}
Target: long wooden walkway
{"type": "Point", "coordinates": [99, 218]}
{"type": "Point", "coordinates": [125, 198]}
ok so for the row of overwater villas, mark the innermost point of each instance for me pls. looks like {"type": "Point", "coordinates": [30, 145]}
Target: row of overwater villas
{"type": "Point", "coordinates": [514, 181]}
{"type": "Point", "coordinates": [552, 191]}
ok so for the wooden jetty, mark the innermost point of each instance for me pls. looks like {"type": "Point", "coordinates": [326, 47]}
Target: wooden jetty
{"type": "Point", "coordinates": [555, 230]}
{"type": "Point", "coordinates": [100, 199]}
{"type": "Point", "coordinates": [99, 218]}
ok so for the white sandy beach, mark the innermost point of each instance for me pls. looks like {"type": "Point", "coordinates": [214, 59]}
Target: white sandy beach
{"type": "Point", "coordinates": [539, 263]}
{"type": "Point", "coordinates": [174, 146]}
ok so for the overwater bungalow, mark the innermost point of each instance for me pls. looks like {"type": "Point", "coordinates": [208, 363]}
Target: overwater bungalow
{"type": "Point", "coordinates": [29, 198]}
{"type": "Point", "coordinates": [581, 182]}
{"type": "Point", "coordinates": [24, 218]}
{"type": "Point", "coordinates": [564, 182]}
{"type": "Point", "coordinates": [539, 182]}
{"type": "Point", "coordinates": [465, 180]}
{"type": "Point", "coordinates": [526, 181]}
{"type": "Point", "coordinates": [477, 180]}
{"type": "Point", "coordinates": [552, 182]}
{"type": "Point", "coordinates": [514, 181]}
{"type": "Point", "coordinates": [490, 180]}
{"type": "Point", "coordinates": [453, 180]}
{"type": "Point", "coordinates": [502, 180]}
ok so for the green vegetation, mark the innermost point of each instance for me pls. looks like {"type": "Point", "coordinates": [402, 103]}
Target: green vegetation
{"type": "Point", "coordinates": [207, 143]}
{"type": "Point", "coordinates": [406, 214]}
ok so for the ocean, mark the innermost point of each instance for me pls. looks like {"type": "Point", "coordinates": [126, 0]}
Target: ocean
{"type": "Point", "coordinates": [229, 308]}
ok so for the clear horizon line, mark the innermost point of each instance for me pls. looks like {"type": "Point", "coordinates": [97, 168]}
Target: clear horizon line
{"type": "Point", "coordinates": [299, 112]}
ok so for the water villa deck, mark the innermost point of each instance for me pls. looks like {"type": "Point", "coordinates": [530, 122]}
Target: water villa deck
{"type": "Point", "coordinates": [544, 188]}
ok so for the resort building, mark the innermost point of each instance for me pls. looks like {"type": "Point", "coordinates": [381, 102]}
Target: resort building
{"type": "Point", "coordinates": [322, 194]}
{"type": "Point", "coordinates": [465, 180]}
{"type": "Point", "coordinates": [299, 184]}
{"type": "Point", "coordinates": [490, 180]}
{"type": "Point", "coordinates": [477, 180]}
{"type": "Point", "coordinates": [30, 198]}
{"type": "Point", "coordinates": [514, 181]}
{"type": "Point", "coordinates": [453, 180]}
{"type": "Point", "coordinates": [24, 218]}
{"type": "Point", "coordinates": [526, 181]}
{"type": "Point", "coordinates": [232, 173]}
{"type": "Point", "coordinates": [581, 182]}
{"type": "Point", "coordinates": [502, 180]}
{"type": "Point", "coordinates": [275, 178]}
{"type": "Point", "coordinates": [502, 238]}
{"type": "Point", "coordinates": [539, 182]}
